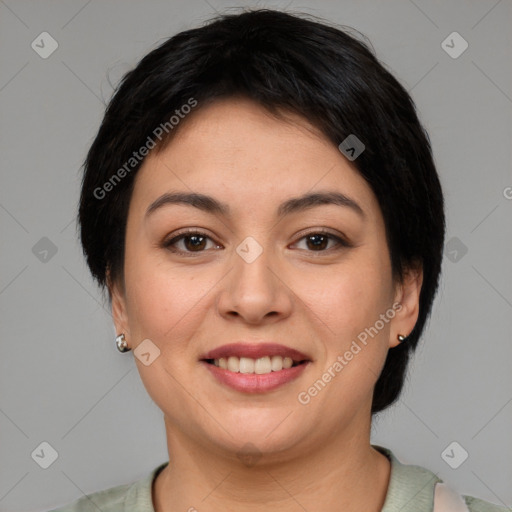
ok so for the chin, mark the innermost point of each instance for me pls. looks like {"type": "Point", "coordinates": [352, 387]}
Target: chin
{"type": "Point", "coordinates": [258, 431]}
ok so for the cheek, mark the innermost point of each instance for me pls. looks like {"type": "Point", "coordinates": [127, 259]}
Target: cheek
{"type": "Point", "coordinates": [347, 297]}
{"type": "Point", "coordinates": [347, 306]}
{"type": "Point", "coordinates": [169, 303]}
{"type": "Point", "coordinates": [165, 300]}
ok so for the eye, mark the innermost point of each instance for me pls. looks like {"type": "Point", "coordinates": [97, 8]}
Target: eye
{"type": "Point", "coordinates": [190, 242]}
{"type": "Point", "coordinates": [318, 241]}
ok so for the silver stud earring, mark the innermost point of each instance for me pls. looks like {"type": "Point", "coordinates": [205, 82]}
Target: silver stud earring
{"type": "Point", "coordinates": [401, 338]}
{"type": "Point", "coordinates": [121, 344]}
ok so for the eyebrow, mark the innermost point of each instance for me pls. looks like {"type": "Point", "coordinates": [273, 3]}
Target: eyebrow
{"type": "Point", "coordinates": [209, 204]}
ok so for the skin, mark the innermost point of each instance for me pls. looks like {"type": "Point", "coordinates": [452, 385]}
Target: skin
{"type": "Point", "coordinates": [316, 456]}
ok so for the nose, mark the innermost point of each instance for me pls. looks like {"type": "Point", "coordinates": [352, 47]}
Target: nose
{"type": "Point", "coordinates": [255, 291]}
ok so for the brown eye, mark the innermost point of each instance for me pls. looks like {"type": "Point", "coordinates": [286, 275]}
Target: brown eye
{"type": "Point", "coordinates": [317, 242]}
{"type": "Point", "coordinates": [321, 242]}
{"type": "Point", "coordinates": [190, 242]}
{"type": "Point", "coordinates": [194, 242]}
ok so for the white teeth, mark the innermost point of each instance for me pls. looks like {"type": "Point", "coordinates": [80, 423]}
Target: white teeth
{"type": "Point", "coordinates": [246, 365]}
{"type": "Point", "coordinates": [277, 363]}
{"type": "Point", "coordinates": [262, 365]}
{"type": "Point", "coordinates": [259, 366]}
{"type": "Point", "coordinates": [233, 364]}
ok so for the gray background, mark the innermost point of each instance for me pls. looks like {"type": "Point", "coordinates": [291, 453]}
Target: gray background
{"type": "Point", "coordinates": [61, 378]}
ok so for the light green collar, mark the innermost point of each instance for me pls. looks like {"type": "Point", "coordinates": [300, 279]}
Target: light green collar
{"type": "Point", "coordinates": [411, 488]}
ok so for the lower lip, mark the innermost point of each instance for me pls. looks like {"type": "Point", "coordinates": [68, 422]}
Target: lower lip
{"type": "Point", "coordinates": [254, 383]}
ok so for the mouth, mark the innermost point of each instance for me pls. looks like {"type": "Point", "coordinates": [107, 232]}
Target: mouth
{"type": "Point", "coordinates": [259, 358]}
{"type": "Point", "coordinates": [261, 366]}
{"type": "Point", "coordinates": [255, 368]}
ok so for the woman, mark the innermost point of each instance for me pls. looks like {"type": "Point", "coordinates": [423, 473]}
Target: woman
{"type": "Point", "coordinates": [262, 205]}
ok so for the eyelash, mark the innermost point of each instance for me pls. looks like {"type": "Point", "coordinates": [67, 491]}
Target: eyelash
{"type": "Point", "coordinates": [168, 244]}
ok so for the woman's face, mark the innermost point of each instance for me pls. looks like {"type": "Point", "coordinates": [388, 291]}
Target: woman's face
{"type": "Point", "coordinates": [266, 267]}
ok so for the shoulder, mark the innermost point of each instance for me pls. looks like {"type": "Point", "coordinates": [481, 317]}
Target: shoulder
{"type": "Point", "coordinates": [130, 497]}
{"type": "Point", "coordinates": [414, 488]}
{"type": "Point", "coordinates": [478, 505]}
{"type": "Point", "coordinates": [446, 499]}
{"type": "Point", "coordinates": [107, 500]}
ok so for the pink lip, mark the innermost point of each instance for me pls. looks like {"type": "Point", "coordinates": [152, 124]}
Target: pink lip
{"type": "Point", "coordinates": [255, 351]}
{"type": "Point", "coordinates": [253, 383]}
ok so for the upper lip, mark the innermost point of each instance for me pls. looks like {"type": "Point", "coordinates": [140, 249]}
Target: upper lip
{"type": "Point", "coordinates": [255, 351]}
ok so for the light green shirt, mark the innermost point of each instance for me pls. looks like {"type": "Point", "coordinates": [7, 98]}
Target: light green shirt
{"type": "Point", "coordinates": [410, 489]}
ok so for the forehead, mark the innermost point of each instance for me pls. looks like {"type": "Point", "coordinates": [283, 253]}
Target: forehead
{"type": "Point", "coordinates": [236, 150]}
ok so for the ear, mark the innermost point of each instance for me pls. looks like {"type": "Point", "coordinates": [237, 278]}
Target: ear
{"type": "Point", "coordinates": [408, 295]}
{"type": "Point", "coordinates": [118, 301]}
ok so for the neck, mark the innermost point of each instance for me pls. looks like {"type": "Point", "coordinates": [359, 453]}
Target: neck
{"type": "Point", "coordinates": [342, 474]}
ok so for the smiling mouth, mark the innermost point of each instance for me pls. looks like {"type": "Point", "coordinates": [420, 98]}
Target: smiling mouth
{"type": "Point", "coordinates": [260, 366]}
